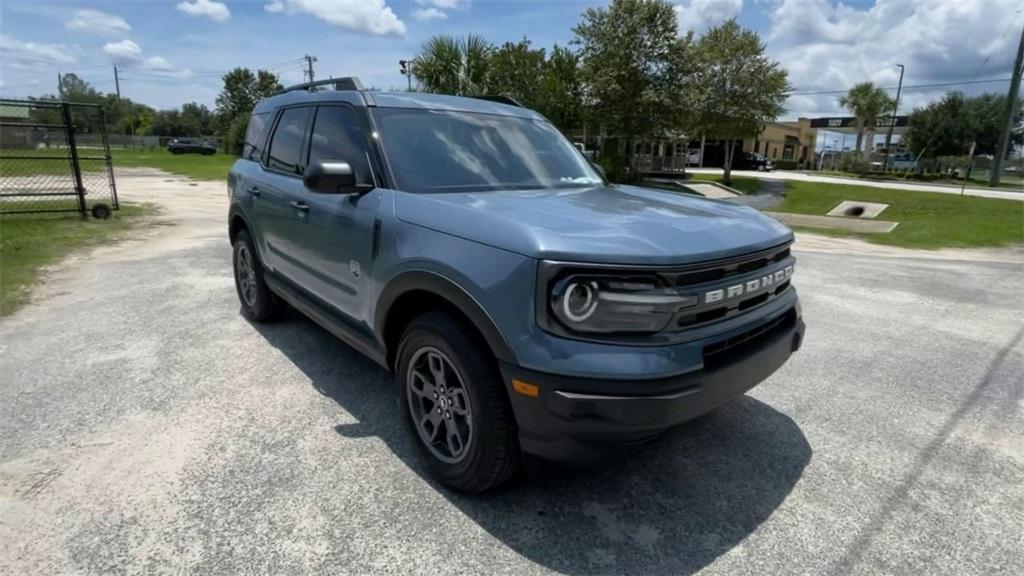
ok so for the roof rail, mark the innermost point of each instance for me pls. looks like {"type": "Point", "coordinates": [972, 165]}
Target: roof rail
{"type": "Point", "coordinates": [500, 99]}
{"type": "Point", "coordinates": [345, 83]}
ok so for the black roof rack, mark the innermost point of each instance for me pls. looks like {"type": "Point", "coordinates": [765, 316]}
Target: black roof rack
{"type": "Point", "coordinates": [346, 83]}
{"type": "Point", "coordinates": [500, 99]}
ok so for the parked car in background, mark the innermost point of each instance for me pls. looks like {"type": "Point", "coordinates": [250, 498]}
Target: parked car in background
{"type": "Point", "coordinates": [903, 162]}
{"type": "Point", "coordinates": [523, 303]}
{"type": "Point", "coordinates": [588, 154]}
{"type": "Point", "coordinates": [191, 146]}
{"type": "Point", "coordinates": [753, 161]}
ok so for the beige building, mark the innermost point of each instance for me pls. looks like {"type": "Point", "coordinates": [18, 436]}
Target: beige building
{"type": "Point", "coordinates": [783, 142]}
{"type": "Point", "coordinates": [794, 140]}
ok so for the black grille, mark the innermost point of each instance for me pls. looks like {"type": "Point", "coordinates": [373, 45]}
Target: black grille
{"type": "Point", "coordinates": [717, 352]}
{"type": "Point", "coordinates": [725, 269]}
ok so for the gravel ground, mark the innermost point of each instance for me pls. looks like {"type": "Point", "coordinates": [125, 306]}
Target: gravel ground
{"type": "Point", "coordinates": [147, 428]}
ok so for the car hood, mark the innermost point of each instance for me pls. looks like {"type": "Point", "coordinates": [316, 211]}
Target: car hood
{"type": "Point", "coordinates": [608, 224]}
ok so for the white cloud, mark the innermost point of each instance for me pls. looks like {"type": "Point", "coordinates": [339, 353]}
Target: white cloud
{"type": "Point", "coordinates": [216, 11]}
{"type": "Point", "coordinates": [15, 51]}
{"type": "Point", "coordinates": [699, 15]}
{"type": "Point", "coordinates": [436, 9]}
{"type": "Point", "coordinates": [442, 4]}
{"type": "Point", "coordinates": [161, 67]}
{"type": "Point", "coordinates": [424, 14]}
{"type": "Point", "coordinates": [366, 16]}
{"type": "Point", "coordinates": [123, 51]}
{"type": "Point", "coordinates": [96, 22]}
{"type": "Point", "coordinates": [826, 46]}
{"type": "Point", "coordinates": [129, 54]}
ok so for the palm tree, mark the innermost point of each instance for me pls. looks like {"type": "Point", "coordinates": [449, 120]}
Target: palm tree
{"type": "Point", "coordinates": [448, 65]}
{"type": "Point", "coordinates": [867, 102]}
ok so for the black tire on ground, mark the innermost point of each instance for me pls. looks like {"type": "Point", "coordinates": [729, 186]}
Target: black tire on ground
{"type": "Point", "coordinates": [259, 304]}
{"type": "Point", "coordinates": [101, 211]}
{"type": "Point", "coordinates": [491, 454]}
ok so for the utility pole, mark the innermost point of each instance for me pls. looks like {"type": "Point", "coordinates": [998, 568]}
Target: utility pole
{"type": "Point", "coordinates": [892, 123]}
{"type": "Point", "coordinates": [60, 86]}
{"type": "Point", "coordinates": [1011, 105]}
{"type": "Point", "coordinates": [405, 67]}
{"type": "Point", "coordinates": [117, 82]}
{"type": "Point", "coordinates": [309, 67]}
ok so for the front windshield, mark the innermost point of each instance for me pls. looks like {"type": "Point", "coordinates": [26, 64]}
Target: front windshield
{"type": "Point", "coordinates": [443, 151]}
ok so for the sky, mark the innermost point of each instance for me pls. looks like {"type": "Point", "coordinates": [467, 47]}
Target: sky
{"type": "Point", "coordinates": [175, 51]}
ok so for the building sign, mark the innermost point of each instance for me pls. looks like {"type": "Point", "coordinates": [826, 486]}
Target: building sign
{"type": "Point", "coordinates": [851, 122]}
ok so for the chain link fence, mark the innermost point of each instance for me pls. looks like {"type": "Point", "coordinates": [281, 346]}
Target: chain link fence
{"type": "Point", "coordinates": [44, 167]}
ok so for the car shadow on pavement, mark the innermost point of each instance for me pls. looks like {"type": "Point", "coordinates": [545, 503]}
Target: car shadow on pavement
{"type": "Point", "coordinates": [671, 507]}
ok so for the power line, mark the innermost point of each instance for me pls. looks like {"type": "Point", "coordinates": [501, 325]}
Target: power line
{"type": "Point", "coordinates": [916, 86]}
{"type": "Point", "coordinates": [998, 40]}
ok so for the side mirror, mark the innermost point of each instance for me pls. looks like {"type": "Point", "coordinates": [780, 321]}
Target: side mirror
{"type": "Point", "coordinates": [331, 177]}
{"type": "Point", "coordinates": [600, 169]}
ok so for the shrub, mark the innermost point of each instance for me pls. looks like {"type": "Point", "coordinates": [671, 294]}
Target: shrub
{"type": "Point", "coordinates": [235, 136]}
{"type": "Point", "coordinates": [615, 166]}
{"type": "Point", "coordinates": [855, 162]}
{"type": "Point", "coordinates": [785, 164]}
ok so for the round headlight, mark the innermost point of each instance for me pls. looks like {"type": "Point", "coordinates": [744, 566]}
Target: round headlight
{"type": "Point", "coordinates": [579, 300]}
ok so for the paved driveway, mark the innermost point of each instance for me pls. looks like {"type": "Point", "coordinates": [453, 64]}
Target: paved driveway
{"type": "Point", "coordinates": [146, 427]}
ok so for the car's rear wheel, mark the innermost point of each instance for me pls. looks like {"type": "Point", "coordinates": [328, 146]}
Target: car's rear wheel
{"type": "Point", "coordinates": [455, 405]}
{"type": "Point", "coordinates": [258, 302]}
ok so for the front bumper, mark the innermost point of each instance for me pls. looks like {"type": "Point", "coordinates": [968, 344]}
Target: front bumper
{"type": "Point", "coordinates": [583, 420]}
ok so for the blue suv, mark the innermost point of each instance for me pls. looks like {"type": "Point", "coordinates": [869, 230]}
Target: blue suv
{"type": "Point", "coordinates": [524, 304]}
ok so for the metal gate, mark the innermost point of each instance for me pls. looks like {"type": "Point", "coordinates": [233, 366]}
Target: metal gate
{"type": "Point", "coordinates": [42, 169]}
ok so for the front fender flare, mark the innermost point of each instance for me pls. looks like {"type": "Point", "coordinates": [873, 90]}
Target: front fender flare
{"type": "Point", "coordinates": [447, 289]}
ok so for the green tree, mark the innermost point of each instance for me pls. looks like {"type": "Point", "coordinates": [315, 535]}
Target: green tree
{"type": "Point", "coordinates": [737, 89]}
{"type": "Point", "coordinates": [167, 123]}
{"type": "Point", "coordinates": [446, 65]}
{"type": "Point", "coordinates": [948, 126]}
{"type": "Point", "coordinates": [516, 70]}
{"type": "Point", "coordinates": [628, 54]}
{"type": "Point", "coordinates": [560, 94]}
{"type": "Point", "coordinates": [242, 90]}
{"type": "Point", "coordinates": [196, 120]}
{"type": "Point", "coordinates": [867, 102]}
{"type": "Point", "coordinates": [74, 89]}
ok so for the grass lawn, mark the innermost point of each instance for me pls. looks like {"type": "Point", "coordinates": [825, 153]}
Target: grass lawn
{"type": "Point", "coordinates": [30, 241]}
{"type": "Point", "coordinates": [213, 167]}
{"type": "Point", "coordinates": [927, 219]}
{"type": "Point", "coordinates": [54, 162]}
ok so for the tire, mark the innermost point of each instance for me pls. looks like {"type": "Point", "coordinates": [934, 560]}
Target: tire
{"type": "Point", "coordinates": [259, 304]}
{"type": "Point", "coordinates": [489, 453]}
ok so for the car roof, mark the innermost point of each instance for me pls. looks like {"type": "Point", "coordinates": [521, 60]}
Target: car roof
{"type": "Point", "coordinates": [410, 100]}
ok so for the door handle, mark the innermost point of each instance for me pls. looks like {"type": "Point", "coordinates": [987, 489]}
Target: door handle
{"type": "Point", "coordinates": [300, 206]}
{"type": "Point", "coordinates": [255, 191]}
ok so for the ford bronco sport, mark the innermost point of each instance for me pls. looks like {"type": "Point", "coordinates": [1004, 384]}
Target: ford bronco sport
{"type": "Point", "coordinates": [523, 303]}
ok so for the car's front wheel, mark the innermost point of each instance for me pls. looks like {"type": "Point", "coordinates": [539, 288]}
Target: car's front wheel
{"type": "Point", "coordinates": [455, 405]}
{"type": "Point", "coordinates": [258, 302]}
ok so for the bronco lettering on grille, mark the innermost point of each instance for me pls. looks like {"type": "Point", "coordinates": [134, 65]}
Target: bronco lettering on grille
{"type": "Point", "coordinates": [761, 283]}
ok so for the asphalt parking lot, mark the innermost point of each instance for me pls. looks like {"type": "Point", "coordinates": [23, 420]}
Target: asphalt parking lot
{"type": "Point", "coordinates": [147, 427]}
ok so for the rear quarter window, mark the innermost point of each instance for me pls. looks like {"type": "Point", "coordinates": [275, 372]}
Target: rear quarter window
{"type": "Point", "coordinates": [256, 136]}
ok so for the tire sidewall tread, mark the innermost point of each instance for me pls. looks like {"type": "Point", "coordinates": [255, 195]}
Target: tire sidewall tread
{"type": "Point", "coordinates": [494, 452]}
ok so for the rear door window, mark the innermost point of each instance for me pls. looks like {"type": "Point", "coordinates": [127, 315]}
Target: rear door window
{"type": "Point", "coordinates": [286, 145]}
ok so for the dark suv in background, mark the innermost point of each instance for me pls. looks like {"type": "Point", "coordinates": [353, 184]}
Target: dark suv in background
{"type": "Point", "coordinates": [191, 146]}
{"type": "Point", "coordinates": [523, 303]}
{"type": "Point", "coordinates": [753, 161]}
